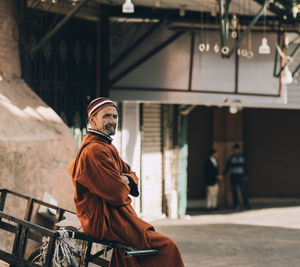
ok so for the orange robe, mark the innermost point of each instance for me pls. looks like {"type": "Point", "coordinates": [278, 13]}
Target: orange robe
{"type": "Point", "coordinates": [104, 209]}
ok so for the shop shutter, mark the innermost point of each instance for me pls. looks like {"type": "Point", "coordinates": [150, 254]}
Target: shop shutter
{"type": "Point", "coordinates": [151, 182]}
{"type": "Point", "coordinates": [131, 141]}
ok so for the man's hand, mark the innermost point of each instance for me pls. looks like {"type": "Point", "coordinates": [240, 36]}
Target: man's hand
{"type": "Point", "coordinates": [220, 177]}
{"type": "Point", "coordinates": [125, 179]}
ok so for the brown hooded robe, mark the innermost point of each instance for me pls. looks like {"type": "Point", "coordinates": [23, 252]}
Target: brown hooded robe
{"type": "Point", "coordinates": [104, 209]}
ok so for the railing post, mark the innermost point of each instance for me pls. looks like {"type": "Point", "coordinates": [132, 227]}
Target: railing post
{"type": "Point", "coordinates": [2, 199]}
{"type": "Point", "coordinates": [16, 245]}
{"type": "Point", "coordinates": [24, 234]}
{"type": "Point", "coordinates": [50, 252]}
{"type": "Point", "coordinates": [87, 254]}
{"type": "Point", "coordinates": [58, 217]}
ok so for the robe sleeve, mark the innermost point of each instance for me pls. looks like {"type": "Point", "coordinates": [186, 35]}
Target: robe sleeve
{"type": "Point", "coordinates": [133, 187]}
{"type": "Point", "coordinates": [101, 177]}
{"type": "Point", "coordinates": [133, 179]}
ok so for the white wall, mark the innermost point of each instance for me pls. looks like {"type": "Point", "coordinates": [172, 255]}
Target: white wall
{"type": "Point", "coordinates": [164, 77]}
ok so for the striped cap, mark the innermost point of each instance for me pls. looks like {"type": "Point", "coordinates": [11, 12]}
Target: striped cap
{"type": "Point", "coordinates": [98, 104]}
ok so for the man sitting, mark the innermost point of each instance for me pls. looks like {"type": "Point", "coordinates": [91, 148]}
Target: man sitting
{"type": "Point", "coordinates": [103, 182]}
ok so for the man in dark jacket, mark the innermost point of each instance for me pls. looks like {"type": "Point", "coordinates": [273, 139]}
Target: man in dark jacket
{"type": "Point", "coordinates": [237, 166]}
{"type": "Point", "coordinates": [211, 175]}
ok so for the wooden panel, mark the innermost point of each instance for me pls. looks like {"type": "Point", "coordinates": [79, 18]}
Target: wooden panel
{"type": "Point", "coordinates": [293, 92]}
{"type": "Point", "coordinates": [162, 70]}
{"type": "Point", "coordinates": [271, 140]}
{"type": "Point", "coordinates": [227, 127]}
{"type": "Point", "coordinates": [256, 75]}
{"type": "Point", "coordinates": [209, 65]}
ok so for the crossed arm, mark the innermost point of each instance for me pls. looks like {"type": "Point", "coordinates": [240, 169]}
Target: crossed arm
{"type": "Point", "coordinates": [101, 177]}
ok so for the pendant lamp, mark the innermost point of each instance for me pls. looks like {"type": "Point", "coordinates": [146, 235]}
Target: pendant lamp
{"type": "Point", "coordinates": [128, 7]}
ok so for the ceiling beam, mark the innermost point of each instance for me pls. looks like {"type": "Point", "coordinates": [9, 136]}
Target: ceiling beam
{"type": "Point", "coordinates": [295, 71]}
{"type": "Point", "coordinates": [134, 45]}
{"type": "Point", "coordinates": [148, 55]}
{"type": "Point", "coordinates": [288, 62]}
{"type": "Point", "coordinates": [49, 35]}
{"type": "Point", "coordinates": [90, 12]}
{"type": "Point", "coordinates": [283, 14]}
{"type": "Point", "coordinates": [248, 29]}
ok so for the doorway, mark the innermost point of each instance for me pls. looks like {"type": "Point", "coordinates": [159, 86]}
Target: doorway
{"type": "Point", "coordinates": [271, 141]}
{"type": "Point", "coordinates": [200, 139]}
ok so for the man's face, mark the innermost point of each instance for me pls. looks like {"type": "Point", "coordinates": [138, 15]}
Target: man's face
{"type": "Point", "coordinates": [105, 120]}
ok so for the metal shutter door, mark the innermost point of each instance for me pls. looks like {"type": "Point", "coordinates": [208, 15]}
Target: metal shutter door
{"type": "Point", "coordinates": [131, 141]}
{"type": "Point", "coordinates": [151, 183]}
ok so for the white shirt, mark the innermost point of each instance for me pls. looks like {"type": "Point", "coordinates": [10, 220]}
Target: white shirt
{"type": "Point", "coordinates": [214, 161]}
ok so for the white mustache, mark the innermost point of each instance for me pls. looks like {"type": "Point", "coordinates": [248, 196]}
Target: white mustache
{"type": "Point", "coordinates": [110, 125]}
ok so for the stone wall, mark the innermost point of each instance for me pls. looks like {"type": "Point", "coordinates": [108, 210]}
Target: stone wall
{"type": "Point", "coordinates": [9, 52]}
{"type": "Point", "coordinates": [35, 144]}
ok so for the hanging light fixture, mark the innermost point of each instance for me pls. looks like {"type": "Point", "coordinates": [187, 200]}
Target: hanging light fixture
{"type": "Point", "coordinates": [264, 48]}
{"type": "Point", "coordinates": [202, 45]}
{"type": "Point", "coordinates": [233, 109]}
{"type": "Point", "coordinates": [74, 2]}
{"type": "Point", "coordinates": [234, 106]}
{"type": "Point", "coordinates": [287, 77]}
{"type": "Point", "coordinates": [234, 25]}
{"type": "Point", "coordinates": [128, 7]}
{"type": "Point", "coordinates": [295, 11]}
{"type": "Point", "coordinates": [182, 10]}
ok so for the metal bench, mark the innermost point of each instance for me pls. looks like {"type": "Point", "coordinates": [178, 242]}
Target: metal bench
{"type": "Point", "coordinates": [24, 230]}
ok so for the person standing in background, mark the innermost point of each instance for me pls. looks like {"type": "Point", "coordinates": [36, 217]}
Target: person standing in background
{"type": "Point", "coordinates": [211, 176]}
{"type": "Point", "coordinates": [238, 168]}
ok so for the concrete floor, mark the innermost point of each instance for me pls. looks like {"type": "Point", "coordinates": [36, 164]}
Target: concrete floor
{"type": "Point", "coordinates": [258, 237]}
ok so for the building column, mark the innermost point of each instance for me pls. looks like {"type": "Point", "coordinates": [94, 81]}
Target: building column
{"type": "Point", "coordinates": [102, 74]}
{"type": "Point", "coordinates": [183, 163]}
{"type": "Point", "coordinates": [9, 53]}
